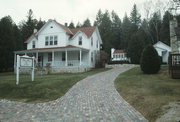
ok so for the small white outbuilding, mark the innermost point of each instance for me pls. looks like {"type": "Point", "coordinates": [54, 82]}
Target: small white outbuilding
{"type": "Point", "coordinates": [163, 50]}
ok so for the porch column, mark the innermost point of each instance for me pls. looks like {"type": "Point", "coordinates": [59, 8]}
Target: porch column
{"type": "Point", "coordinates": [80, 55]}
{"type": "Point", "coordinates": [36, 57]}
{"type": "Point", "coordinates": [66, 58]}
{"type": "Point", "coordinates": [14, 62]}
{"type": "Point", "coordinates": [52, 58]}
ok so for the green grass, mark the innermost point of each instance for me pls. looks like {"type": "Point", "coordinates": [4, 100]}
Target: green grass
{"type": "Point", "coordinates": [148, 93]}
{"type": "Point", "coordinates": [44, 88]}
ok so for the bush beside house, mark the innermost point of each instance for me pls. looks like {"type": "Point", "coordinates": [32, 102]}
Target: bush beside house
{"type": "Point", "coordinates": [150, 61]}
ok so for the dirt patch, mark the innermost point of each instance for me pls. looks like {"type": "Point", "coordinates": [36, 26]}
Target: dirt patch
{"type": "Point", "coordinates": [171, 113]}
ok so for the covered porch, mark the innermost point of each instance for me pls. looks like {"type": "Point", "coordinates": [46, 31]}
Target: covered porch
{"type": "Point", "coordinates": [58, 58]}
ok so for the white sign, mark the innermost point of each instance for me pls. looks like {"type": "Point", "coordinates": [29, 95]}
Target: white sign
{"type": "Point", "coordinates": [24, 62]}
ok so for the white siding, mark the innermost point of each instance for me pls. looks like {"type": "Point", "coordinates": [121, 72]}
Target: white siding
{"type": "Point", "coordinates": [29, 45]}
{"type": "Point", "coordinates": [75, 41]}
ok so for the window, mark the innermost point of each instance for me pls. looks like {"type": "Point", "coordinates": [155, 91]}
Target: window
{"type": "Point", "coordinates": [80, 40]}
{"type": "Point", "coordinates": [91, 41]}
{"type": "Point", "coordinates": [97, 43]}
{"type": "Point", "coordinates": [33, 44]}
{"type": "Point", "coordinates": [63, 56]}
{"type": "Point", "coordinates": [114, 56]}
{"type": "Point", "coordinates": [91, 56]}
{"type": "Point", "coordinates": [49, 56]}
{"type": "Point", "coordinates": [46, 40]}
{"type": "Point", "coordinates": [51, 40]}
{"type": "Point", "coordinates": [55, 40]}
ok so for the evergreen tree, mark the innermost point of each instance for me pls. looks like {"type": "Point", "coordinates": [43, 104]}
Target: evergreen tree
{"type": "Point", "coordinates": [28, 26]}
{"type": "Point", "coordinates": [126, 35]}
{"type": "Point", "coordinates": [103, 21]}
{"type": "Point", "coordinates": [150, 61]}
{"type": "Point", "coordinates": [40, 23]}
{"type": "Point", "coordinates": [78, 25]}
{"type": "Point", "coordinates": [71, 25]}
{"type": "Point", "coordinates": [99, 17]}
{"type": "Point", "coordinates": [135, 48]}
{"type": "Point", "coordinates": [116, 31]}
{"type": "Point", "coordinates": [86, 23]}
{"type": "Point", "coordinates": [135, 18]}
{"type": "Point", "coordinates": [10, 40]}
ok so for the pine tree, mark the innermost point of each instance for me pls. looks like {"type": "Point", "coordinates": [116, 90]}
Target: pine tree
{"type": "Point", "coordinates": [40, 23]}
{"type": "Point", "coordinates": [28, 26]}
{"type": "Point", "coordinates": [71, 25]}
{"type": "Point", "coordinates": [135, 18]}
{"type": "Point", "coordinates": [126, 35]}
{"type": "Point", "coordinates": [135, 48]}
{"type": "Point", "coordinates": [86, 23]}
{"type": "Point", "coordinates": [10, 40]}
{"type": "Point", "coordinates": [78, 25]}
{"type": "Point", "coordinates": [116, 31]}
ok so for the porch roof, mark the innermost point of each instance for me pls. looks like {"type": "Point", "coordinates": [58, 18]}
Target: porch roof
{"type": "Point", "coordinates": [68, 48]}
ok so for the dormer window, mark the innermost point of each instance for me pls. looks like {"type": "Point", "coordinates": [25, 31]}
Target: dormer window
{"type": "Point", "coordinates": [91, 41]}
{"type": "Point", "coordinates": [80, 40]}
{"type": "Point", "coordinates": [33, 44]}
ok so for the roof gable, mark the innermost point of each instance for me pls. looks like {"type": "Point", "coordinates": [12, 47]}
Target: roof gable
{"type": "Point", "coordinates": [118, 51]}
{"type": "Point", "coordinates": [31, 37]}
{"type": "Point", "coordinates": [87, 30]}
{"type": "Point", "coordinates": [161, 45]}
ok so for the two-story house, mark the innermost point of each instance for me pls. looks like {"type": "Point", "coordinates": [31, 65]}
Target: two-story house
{"type": "Point", "coordinates": [62, 48]}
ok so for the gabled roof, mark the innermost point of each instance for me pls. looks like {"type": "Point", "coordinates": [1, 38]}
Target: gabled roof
{"type": "Point", "coordinates": [87, 30]}
{"type": "Point", "coordinates": [65, 28]}
{"type": "Point", "coordinates": [31, 37]}
{"type": "Point", "coordinates": [119, 51]}
{"type": "Point", "coordinates": [161, 43]}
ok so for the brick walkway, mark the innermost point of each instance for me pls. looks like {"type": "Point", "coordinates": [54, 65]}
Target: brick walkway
{"type": "Point", "coordinates": [92, 99]}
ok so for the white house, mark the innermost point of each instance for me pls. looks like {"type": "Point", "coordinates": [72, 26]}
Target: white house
{"type": "Point", "coordinates": [163, 50]}
{"type": "Point", "coordinates": [64, 49]}
{"type": "Point", "coordinates": [118, 55]}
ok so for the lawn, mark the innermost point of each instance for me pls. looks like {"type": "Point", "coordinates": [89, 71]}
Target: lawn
{"type": "Point", "coordinates": [148, 93]}
{"type": "Point", "coordinates": [44, 88]}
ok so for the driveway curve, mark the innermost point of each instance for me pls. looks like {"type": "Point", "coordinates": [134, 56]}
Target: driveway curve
{"type": "Point", "coordinates": [91, 99]}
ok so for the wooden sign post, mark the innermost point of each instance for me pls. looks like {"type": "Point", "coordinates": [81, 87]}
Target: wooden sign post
{"type": "Point", "coordinates": [24, 62]}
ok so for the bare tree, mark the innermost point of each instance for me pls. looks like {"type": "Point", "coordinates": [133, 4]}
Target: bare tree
{"type": "Point", "coordinates": [149, 8]}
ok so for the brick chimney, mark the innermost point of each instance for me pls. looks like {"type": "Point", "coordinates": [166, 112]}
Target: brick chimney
{"type": "Point", "coordinates": [173, 37]}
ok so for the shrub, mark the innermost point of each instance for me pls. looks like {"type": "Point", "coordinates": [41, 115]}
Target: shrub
{"type": "Point", "coordinates": [150, 61]}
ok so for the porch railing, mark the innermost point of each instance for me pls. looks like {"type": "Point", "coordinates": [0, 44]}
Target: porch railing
{"type": "Point", "coordinates": [69, 63]}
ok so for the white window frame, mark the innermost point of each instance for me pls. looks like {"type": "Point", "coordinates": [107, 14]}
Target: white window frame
{"type": "Point", "coordinates": [80, 40]}
{"type": "Point", "coordinates": [33, 44]}
{"type": "Point", "coordinates": [91, 41]}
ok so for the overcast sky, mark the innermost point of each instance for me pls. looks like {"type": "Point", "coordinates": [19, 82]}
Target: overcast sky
{"type": "Point", "coordinates": [65, 10]}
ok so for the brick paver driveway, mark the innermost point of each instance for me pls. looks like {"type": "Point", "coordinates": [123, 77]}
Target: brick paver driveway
{"type": "Point", "coordinates": [92, 99]}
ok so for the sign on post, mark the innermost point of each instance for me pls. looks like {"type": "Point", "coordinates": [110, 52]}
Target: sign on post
{"type": "Point", "coordinates": [24, 62]}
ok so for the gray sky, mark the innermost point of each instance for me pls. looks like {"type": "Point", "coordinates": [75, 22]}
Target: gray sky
{"type": "Point", "coordinates": [65, 10]}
